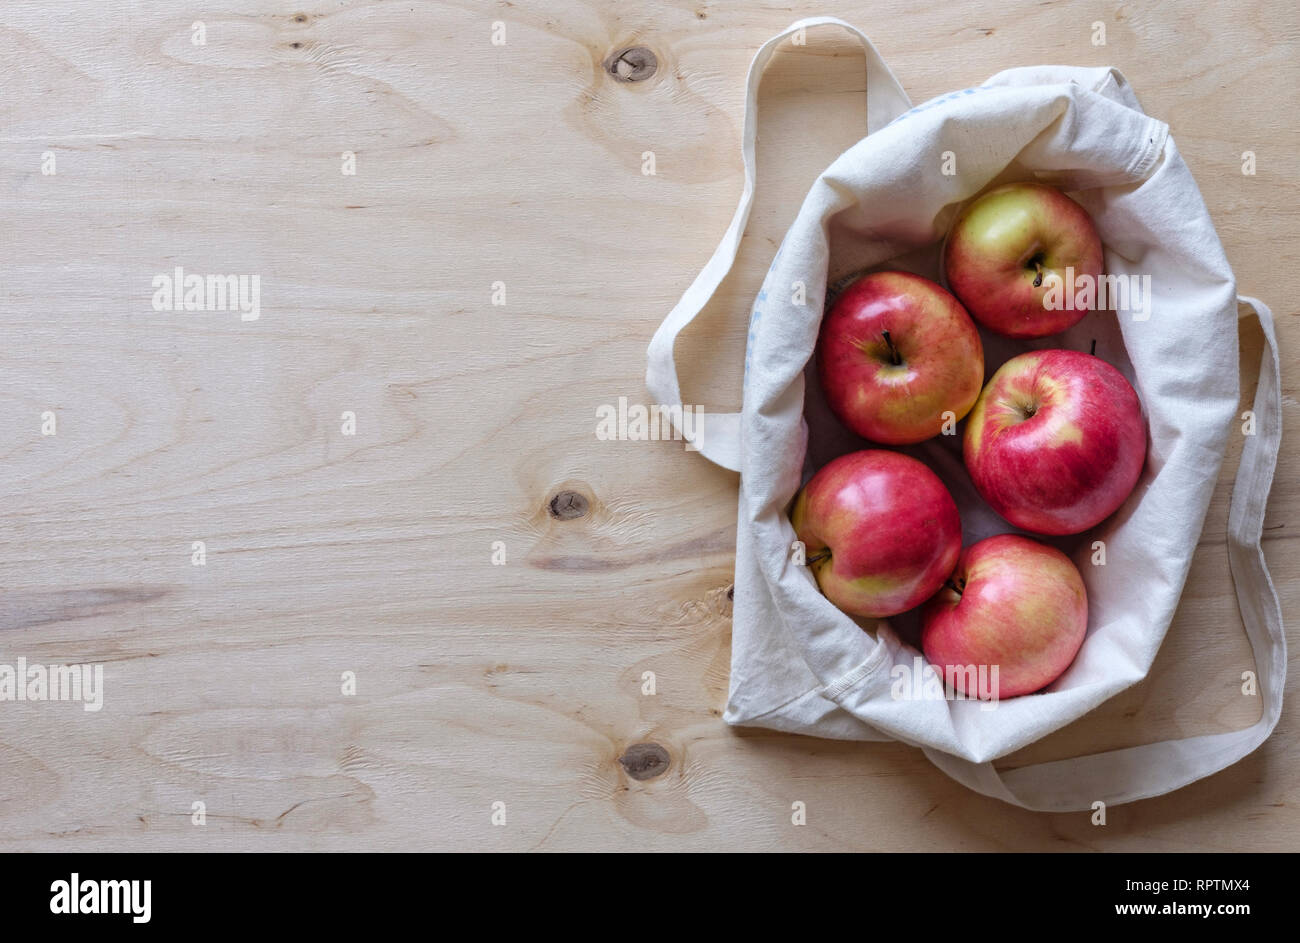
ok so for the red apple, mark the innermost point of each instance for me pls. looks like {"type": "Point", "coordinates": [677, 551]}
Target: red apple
{"type": "Point", "coordinates": [1056, 441]}
{"type": "Point", "coordinates": [897, 352]}
{"type": "Point", "coordinates": [880, 530]}
{"type": "Point", "coordinates": [1012, 603]}
{"type": "Point", "coordinates": [1004, 249]}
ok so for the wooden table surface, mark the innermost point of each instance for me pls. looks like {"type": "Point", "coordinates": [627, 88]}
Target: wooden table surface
{"type": "Point", "coordinates": [499, 158]}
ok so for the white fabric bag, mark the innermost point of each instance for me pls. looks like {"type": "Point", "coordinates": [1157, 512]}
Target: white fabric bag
{"type": "Point", "coordinates": [799, 664]}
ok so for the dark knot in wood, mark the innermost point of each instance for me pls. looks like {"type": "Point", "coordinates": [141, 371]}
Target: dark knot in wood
{"type": "Point", "coordinates": [645, 761]}
{"type": "Point", "coordinates": [568, 506]}
{"type": "Point", "coordinates": [633, 64]}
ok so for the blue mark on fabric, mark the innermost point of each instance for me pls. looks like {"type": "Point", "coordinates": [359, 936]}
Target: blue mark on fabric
{"type": "Point", "coordinates": [936, 102]}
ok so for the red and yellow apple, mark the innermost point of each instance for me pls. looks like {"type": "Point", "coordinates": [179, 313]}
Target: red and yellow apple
{"type": "Point", "coordinates": [1056, 441]}
{"type": "Point", "coordinates": [1011, 603]}
{"type": "Point", "coordinates": [880, 532]}
{"type": "Point", "coordinates": [896, 353]}
{"type": "Point", "coordinates": [1005, 248]}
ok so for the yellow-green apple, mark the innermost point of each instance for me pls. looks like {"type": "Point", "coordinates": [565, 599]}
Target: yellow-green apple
{"type": "Point", "coordinates": [1011, 603]}
{"type": "Point", "coordinates": [1004, 250]}
{"type": "Point", "coordinates": [896, 353]}
{"type": "Point", "coordinates": [1056, 441]}
{"type": "Point", "coordinates": [880, 531]}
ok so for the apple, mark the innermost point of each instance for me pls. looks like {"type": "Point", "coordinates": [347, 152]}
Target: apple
{"type": "Point", "coordinates": [1013, 603]}
{"type": "Point", "coordinates": [1056, 441]}
{"type": "Point", "coordinates": [880, 532]}
{"type": "Point", "coordinates": [1005, 248]}
{"type": "Point", "coordinates": [896, 353]}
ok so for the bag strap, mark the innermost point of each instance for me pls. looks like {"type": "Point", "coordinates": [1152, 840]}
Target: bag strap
{"type": "Point", "coordinates": [717, 437]}
{"type": "Point", "coordinates": [1153, 769]}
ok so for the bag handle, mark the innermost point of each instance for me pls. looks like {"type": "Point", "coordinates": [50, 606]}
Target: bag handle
{"type": "Point", "coordinates": [1113, 777]}
{"type": "Point", "coordinates": [717, 437]}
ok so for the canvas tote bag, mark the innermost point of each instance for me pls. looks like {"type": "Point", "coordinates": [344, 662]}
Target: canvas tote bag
{"type": "Point", "coordinates": [798, 663]}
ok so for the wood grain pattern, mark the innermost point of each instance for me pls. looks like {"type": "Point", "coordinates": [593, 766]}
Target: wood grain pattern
{"type": "Point", "coordinates": [521, 164]}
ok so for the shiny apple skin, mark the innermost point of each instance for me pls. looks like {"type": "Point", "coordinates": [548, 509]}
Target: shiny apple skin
{"type": "Point", "coordinates": [891, 526]}
{"type": "Point", "coordinates": [941, 358]}
{"type": "Point", "coordinates": [1056, 442]}
{"type": "Point", "coordinates": [988, 259]}
{"type": "Point", "coordinates": [1021, 606]}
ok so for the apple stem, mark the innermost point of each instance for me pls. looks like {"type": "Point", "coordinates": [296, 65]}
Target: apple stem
{"type": "Point", "coordinates": [1038, 279]}
{"type": "Point", "coordinates": [1093, 349]}
{"type": "Point", "coordinates": [818, 557]}
{"type": "Point", "coordinates": [893, 351]}
{"type": "Point", "coordinates": [952, 586]}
